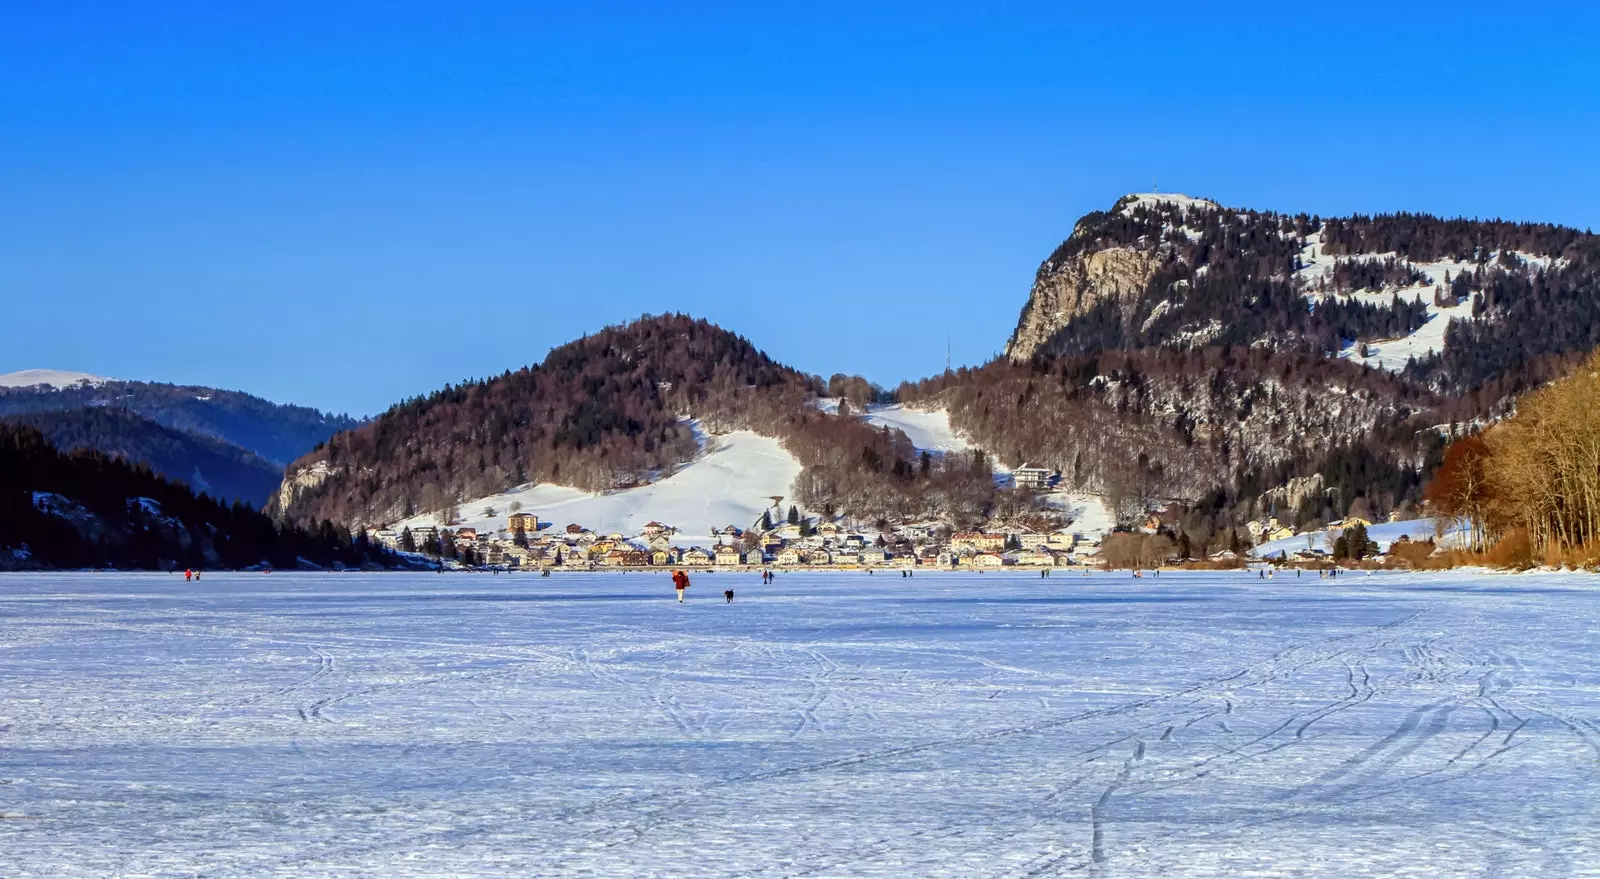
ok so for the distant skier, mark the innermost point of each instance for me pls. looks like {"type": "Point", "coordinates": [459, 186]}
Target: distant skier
{"type": "Point", "coordinates": [727, 594]}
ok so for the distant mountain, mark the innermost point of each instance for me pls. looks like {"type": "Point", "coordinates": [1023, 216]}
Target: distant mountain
{"type": "Point", "coordinates": [88, 509]}
{"type": "Point", "coordinates": [276, 432]}
{"type": "Point", "coordinates": [50, 379]}
{"type": "Point", "coordinates": [219, 469]}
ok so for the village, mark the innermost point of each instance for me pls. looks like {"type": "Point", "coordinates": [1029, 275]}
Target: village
{"type": "Point", "coordinates": [802, 542]}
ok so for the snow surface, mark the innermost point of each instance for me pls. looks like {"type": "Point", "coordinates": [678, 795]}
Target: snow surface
{"type": "Point", "coordinates": [1151, 199]}
{"type": "Point", "coordinates": [928, 429]}
{"type": "Point", "coordinates": [999, 725]}
{"type": "Point", "coordinates": [730, 484]}
{"type": "Point", "coordinates": [53, 378]}
{"type": "Point", "coordinates": [1381, 533]}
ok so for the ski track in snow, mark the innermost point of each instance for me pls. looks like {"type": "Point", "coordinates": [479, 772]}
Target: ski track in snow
{"type": "Point", "coordinates": [417, 725]}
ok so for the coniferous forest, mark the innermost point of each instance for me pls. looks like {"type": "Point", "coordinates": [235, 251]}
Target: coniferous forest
{"type": "Point", "coordinates": [90, 509]}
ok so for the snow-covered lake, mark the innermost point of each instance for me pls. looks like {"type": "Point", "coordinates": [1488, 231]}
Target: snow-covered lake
{"type": "Point", "coordinates": [827, 725]}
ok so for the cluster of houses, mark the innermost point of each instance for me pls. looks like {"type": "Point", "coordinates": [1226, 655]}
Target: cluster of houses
{"type": "Point", "coordinates": [528, 543]}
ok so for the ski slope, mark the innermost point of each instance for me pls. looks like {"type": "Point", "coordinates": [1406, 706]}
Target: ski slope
{"type": "Point", "coordinates": [422, 725]}
{"type": "Point", "coordinates": [730, 484]}
{"type": "Point", "coordinates": [52, 378]}
{"type": "Point", "coordinates": [928, 430]}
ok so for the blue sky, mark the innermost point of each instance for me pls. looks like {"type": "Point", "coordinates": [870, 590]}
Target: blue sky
{"type": "Point", "coordinates": [347, 204]}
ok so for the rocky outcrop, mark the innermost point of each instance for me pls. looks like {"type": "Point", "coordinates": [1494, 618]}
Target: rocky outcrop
{"type": "Point", "coordinates": [297, 481]}
{"type": "Point", "coordinates": [1070, 286]}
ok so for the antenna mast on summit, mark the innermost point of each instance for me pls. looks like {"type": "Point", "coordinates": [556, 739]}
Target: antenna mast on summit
{"type": "Point", "coordinates": [947, 352]}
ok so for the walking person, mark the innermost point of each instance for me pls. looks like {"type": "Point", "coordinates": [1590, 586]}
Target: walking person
{"type": "Point", "coordinates": [680, 582]}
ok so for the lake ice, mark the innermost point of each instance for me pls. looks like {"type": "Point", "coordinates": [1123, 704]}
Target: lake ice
{"type": "Point", "coordinates": [826, 725]}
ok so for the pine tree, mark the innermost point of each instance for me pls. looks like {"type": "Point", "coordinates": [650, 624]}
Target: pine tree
{"type": "Point", "coordinates": [794, 515]}
{"type": "Point", "coordinates": [408, 543]}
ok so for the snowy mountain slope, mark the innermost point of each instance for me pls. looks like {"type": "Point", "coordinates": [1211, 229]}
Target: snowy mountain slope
{"type": "Point", "coordinates": [1428, 339]}
{"type": "Point", "coordinates": [56, 379]}
{"type": "Point", "coordinates": [1136, 200]}
{"type": "Point", "coordinates": [730, 484]}
{"type": "Point", "coordinates": [928, 429]}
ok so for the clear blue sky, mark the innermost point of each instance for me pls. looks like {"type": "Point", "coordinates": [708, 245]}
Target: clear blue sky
{"type": "Point", "coordinates": [344, 204]}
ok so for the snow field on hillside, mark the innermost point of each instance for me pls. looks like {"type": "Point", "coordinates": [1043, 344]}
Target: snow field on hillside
{"type": "Point", "coordinates": [730, 484]}
{"type": "Point", "coordinates": [1428, 339]}
{"type": "Point", "coordinates": [421, 725]}
{"type": "Point", "coordinates": [53, 378]}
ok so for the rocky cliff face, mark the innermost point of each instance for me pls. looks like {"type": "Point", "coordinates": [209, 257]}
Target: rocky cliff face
{"type": "Point", "coordinates": [1064, 289]}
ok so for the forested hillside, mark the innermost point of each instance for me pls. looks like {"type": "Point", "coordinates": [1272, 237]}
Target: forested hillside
{"type": "Point", "coordinates": [1189, 273]}
{"type": "Point", "coordinates": [608, 411]}
{"type": "Point", "coordinates": [208, 466]}
{"type": "Point", "coordinates": [276, 432]}
{"type": "Point", "coordinates": [89, 509]}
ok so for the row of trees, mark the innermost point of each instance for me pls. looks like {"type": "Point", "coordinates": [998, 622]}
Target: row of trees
{"type": "Point", "coordinates": [1532, 480]}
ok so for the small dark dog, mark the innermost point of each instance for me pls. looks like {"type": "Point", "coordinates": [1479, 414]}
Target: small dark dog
{"type": "Point", "coordinates": [728, 594]}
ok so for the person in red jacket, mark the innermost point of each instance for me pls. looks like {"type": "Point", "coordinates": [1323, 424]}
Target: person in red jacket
{"type": "Point", "coordinates": [680, 582]}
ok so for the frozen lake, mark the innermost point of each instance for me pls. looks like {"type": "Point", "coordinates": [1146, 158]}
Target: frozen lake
{"type": "Point", "coordinates": [827, 725]}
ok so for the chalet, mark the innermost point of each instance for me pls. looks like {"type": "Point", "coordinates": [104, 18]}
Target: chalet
{"type": "Point", "coordinates": [727, 555]}
{"type": "Point", "coordinates": [466, 534]}
{"type": "Point", "coordinates": [917, 532]}
{"type": "Point", "coordinates": [731, 531]}
{"type": "Point", "coordinates": [1033, 558]}
{"type": "Point", "coordinates": [818, 557]}
{"type": "Point", "coordinates": [944, 560]}
{"type": "Point", "coordinates": [771, 541]}
{"type": "Point", "coordinates": [660, 541]}
{"type": "Point", "coordinates": [787, 532]}
{"type": "Point", "coordinates": [526, 522]}
{"type": "Point", "coordinates": [634, 558]}
{"type": "Point", "coordinates": [828, 529]}
{"type": "Point", "coordinates": [855, 541]}
{"type": "Point", "coordinates": [493, 554]}
{"type": "Point", "coordinates": [789, 557]}
{"type": "Point", "coordinates": [601, 547]}
{"type": "Point", "coordinates": [978, 540]}
{"type": "Point", "coordinates": [1352, 522]}
{"type": "Point", "coordinates": [1032, 540]}
{"type": "Point", "coordinates": [873, 555]}
{"type": "Point", "coordinates": [612, 559]}
{"type": "Point", "coordinates": [652, 529]}
{"type": "Point", "coordinates": [666, 556]}
{"type": "Point", "coordinates": [846, 557]}
{"type": "Point", "coordinates": [1029, 476]}
{"type": "Point", "coordinates": [616, 537]}
{"type": "Point", "coordinates": [1280, 534]}
{"type": "Point", "coordinates": [387, 537]}
{"type": "Point", "coordinates": [576, 529]}
{"type": "Point", "coordinates": [520, 556]}
{"type": "Point", "coordinates": [988, 560]}
{"type": "Point", "coordinates": [696, 556]}
{"type": "Point", "coordinates": [754, 557]}
{"type": "Point", "coordinates": [1061, 541]}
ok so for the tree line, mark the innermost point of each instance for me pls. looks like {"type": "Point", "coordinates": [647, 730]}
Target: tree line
{"type": "Point", "coordinates": [90, 509]}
